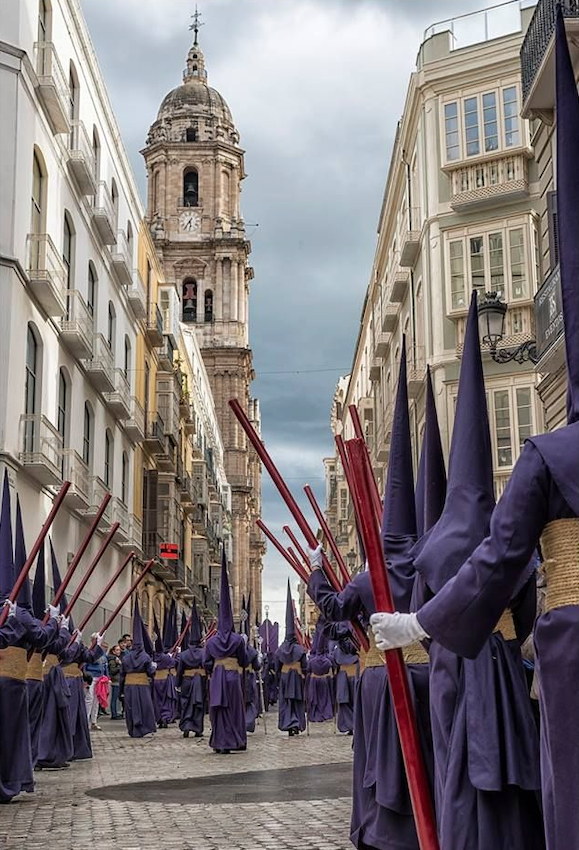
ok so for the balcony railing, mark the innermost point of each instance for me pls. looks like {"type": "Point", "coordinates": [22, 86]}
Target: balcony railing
{"type": "Point", "coordinates": [46, 274]}
{"type": "Point", "coordinates": [135, 424]}
{"type": "Point", "coordinates": [537, 48]}
{"type": "Point", "coordinates": [81, 158]}
{"type": "Point", "coordinates": [120, 514]}
{"type": "Point", "coordinates": [119, 400]}
{"type": "Point", "coordinates": [480, 184]}
{"type": "Point", "coordinates": [53, 89]}
{"type": "Point", "coordinates": [155, 433]}
{"type": "Point", "coordinates": [136, 534]}
{"type": "Point", "coordinates": [76, 471]}
{"type": "Point", "coordinates": [97, 491]}
{"type": "Point", "coordinates": [41, 448]}
{"type": "Point", "coordinates": [76, 326]}
{"type": "Point", "coordinates": [137, 295]}
{"type": "Point", "coordinates": [122, 258]}
{"type": "Point", "coordinates": [100, 367]}
{"type": "Point", "coordinates": [410, 238]}
{"type": "Point", "coordinates": [105, 215]}
{"type": "Point", "coordinates": [166, 352]}
{"type": "Point", "coordinates": [155, 326]}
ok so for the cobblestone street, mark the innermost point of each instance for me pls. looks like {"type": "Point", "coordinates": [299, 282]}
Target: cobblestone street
{"type": "Point", "coordinates": [73, 809]}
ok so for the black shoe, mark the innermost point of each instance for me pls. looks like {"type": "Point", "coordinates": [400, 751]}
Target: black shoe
{"type": "Point", "coordinates": [198, 734]}
{"type": "Point", "coordinates": [185, 734]}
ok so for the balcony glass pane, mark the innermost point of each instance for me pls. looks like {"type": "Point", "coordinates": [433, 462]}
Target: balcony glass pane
{"type": "Point", "coordinates": [457, 274]}
{"type": "Point", "coordinates": [503, 428]}
{"type": "Point", "coordinates": [451, 131]}
{"type": "Point", "coordinates": [511, 116]}
{"type": "Point", "coordinates": [477, 263]}
{"type": "Point", "coordinates": [471, 128]}
{"type": "Point", "coordinates": [524, 414]}
{"type": "Point", "coordinates": [491, 131]}
{"type": "Point", "coordinates": [517, 255]}
{"type": "Point", "coordinates": [496, 263]}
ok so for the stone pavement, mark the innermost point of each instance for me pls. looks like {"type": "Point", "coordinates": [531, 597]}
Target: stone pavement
{"type": "Point", "coordinates": [77, 809]}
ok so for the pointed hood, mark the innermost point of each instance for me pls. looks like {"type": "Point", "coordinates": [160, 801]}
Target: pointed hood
{"type": "Point", "coordinates": [470, 499]}
{"type": "Point", "coordinates": [568, 209]}
{"type": "Point", "coordinates": [39, 587]}
{"type": "Point", "coordinates": [431, 481]}
{"type": "Point", "coordinates": [6, 549]}
{"type": "Point", "coordinates": [399, 513]}
{"type": "Point", "coordinates": [138, 644]}
{"type": "Point", "coordinates": [25, 596]}
{"type": "Point", "coordinates": [195, 628]}
{"type": "Point", "coordinates": [167, 637]}
{"type": "Point", "coordinates": [56, 582]}
{"type": "Point", "coordinates": [225, 614]}
{"type": "Point", "coordinates": [159, 648]}
{"type": "Point", "coordinates": [290, 626]}
{"type": "Point", "coordinates": [147, 642]}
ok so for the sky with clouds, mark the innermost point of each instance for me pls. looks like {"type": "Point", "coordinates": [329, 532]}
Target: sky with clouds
{"type": "Point", "coordinates": [316, 88]}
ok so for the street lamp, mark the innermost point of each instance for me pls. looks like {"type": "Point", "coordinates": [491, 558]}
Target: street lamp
{"type": "Point", "coordinates": [491, 324]}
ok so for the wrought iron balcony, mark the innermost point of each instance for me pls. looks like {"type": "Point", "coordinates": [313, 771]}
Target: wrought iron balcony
{"type": "Point", "coordinates": [76, 326]}
{"type": "Point", "coordinates": [97, 491]}
{"type": "Point", "coordinates": [100, 367]}
{"type": "Point", "coordinates": [155, 326]}
{"type": "Point", "coordinates": [46, 274]}
{"type": "Point", "coordinates": [410, 239]}
{"type": "Point", "coordinates": [53, 89]}
{"type": "Point", "coordinates": [119, 400]}
{"type": "Point", "coordinates": [122, 259]}
{"type": "Point", "coordinates": [76, 471]}
{"type": "Point", "coordinates": [137, 296]}
{"type": "Point", "coordinates": [104, 215]}
{"type": "Point", "coordinates": [538, 54]}
{"type": "Point", "coordinates": [120, 514]}
{"type": "Point", "coordinates": [81, 158]}
{"type": "Point", "coordinates": [154, 433]}
{"type": "Point", "coordinates": [135, 424]}
{"type": "Point", "coordinates": [41, 451]}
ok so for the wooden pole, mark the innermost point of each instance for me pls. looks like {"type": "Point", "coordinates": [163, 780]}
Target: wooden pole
{"type": "Point", "coordinates": [103, 593]}
{"type": "Point", "coordinates": [91, 568]}
{"type": "Point", "coordinates": [328, 534]}
{"type": "Point", "coordinates": [284, 492]}
{"type": "Point", "coordinates": [375, 493]}
{"type": "Point", "coordinates": [127, 595]}
{"type": "Point", "coordinates": [294, 564]}
{"type": "Point", "coordinates": [397, 676]}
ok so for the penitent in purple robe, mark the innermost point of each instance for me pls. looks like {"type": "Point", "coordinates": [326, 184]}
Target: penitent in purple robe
{"type": "Point", "coordinates": [226, 702]}
{"type": "Point", "coordinates": [252, 699]}
{"type": "Point", "coordinates": [544, 487]}
{"type": "Point", "coordinates": [193, 690]}
{"type": "Point", "coordinates": [138, 698]}
{"type": "Point", "coordinates": [72, 660]}
{"type": "Point", "coordinates": [381, 809]}
{"type": "Point", "coordinates": [291, 695]}
{"type": "Point", "coordinates": [320, 679]}
{"type": "Point", "coordinates": [20, 633]}
{"type": "Point", "coordinates": [347, 666]}
{"type": "Point", "coordinates": [55, 744]}
{"type": "Point", "coordinates": [165, 696]}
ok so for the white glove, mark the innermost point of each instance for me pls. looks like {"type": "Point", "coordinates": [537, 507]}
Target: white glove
{"type": "Point", "coordinates": [78, 638]}
{"type": "Point", "coordinates": [100, 639]}
{"type": "Point", "coordinates": [64, 621]}
{"type": "Point", "coordinates": [395, 630]}
{"type": "Point", "coordinates": [154, 665]}
{"type": "Point", "coordinates": [178, 650]}
{"type": "Point", "coordinates": [259, 657]}
{"type": "Point", "coordinates": [54, 611]}
{"type": "Point", "coordinates": [315, 556]}
{"type": "Point", "coordinates": [11, 607]}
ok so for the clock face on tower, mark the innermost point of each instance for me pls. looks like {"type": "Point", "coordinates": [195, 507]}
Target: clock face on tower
{"type": "Point", "coordinates": [189, 222]}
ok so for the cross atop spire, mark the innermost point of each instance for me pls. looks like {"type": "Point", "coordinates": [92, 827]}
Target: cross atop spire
{"type": "Point", "coordinates": [196, 25]}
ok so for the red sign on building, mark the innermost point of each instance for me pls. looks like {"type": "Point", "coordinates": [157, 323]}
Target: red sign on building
{"type": "Point", "coordinates": [169, 551]}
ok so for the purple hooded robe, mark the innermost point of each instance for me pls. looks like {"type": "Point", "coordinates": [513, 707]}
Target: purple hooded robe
{"type": "Point", "coordinates": [192, 680]}
{"type": "Point", "coordinates": [292, 695]}
{"type": "Point", "coordinates": [135, 683]}
{"type": "Point", "coordinates": [347, 666]}
{"type": "Point", "coordinates": [320, 679]}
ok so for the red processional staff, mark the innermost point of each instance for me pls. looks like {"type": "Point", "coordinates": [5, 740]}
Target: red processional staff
{"type": "Point", "coordinates": [126, 597]}
{"type": "Point", "coordinates": [103, 593]}
{"type": "Point", "coordinates": [398, 682]}
{"type": "Point", "coordinates": [290, 502]}
{"type": "Point", "coordinates": [363, 490]}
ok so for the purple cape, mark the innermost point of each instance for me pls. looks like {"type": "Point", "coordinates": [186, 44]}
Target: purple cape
{"type": "Point", "coordinates": [226, 700]}
{"type": "Point", "coordinates": [193, 690]}
{"type": "Point", "coordinates": [138, 699]}
{"type": "Point", "coordinates": [292, 696]}
{"type": "Point", "coordinates": [320, 688]}
{"type": "Point", "coordinates": [165, 696]}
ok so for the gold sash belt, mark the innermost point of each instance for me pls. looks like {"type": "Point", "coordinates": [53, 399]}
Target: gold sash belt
{"type": "Point", "coordinates": [34, 667]}
{"type": "Point", "coordinates": [13, 663]}
{"type": "Point", "coordinates": [506, 625]}
{"type": "Point", "coordinates": [413, 654]}
{"type": "Point", "coordinates": [229, 664]}
{"type": "Point", "coordinates": [161, 675]}
{"type": "Point", "coordinates": [71, 671]}
{"type": "Point", "coordinates": [560, 547]}
{"type": "Point", "coordinates": [194, 671]}
{"type": "Point", "coordinates": [293, 665]}
{"type": "Point", "coordinates": [320, 675]}
{"type": "Point", "coordinates": [349, 669]}
{"type": "Point", "coordinates": [49, 662]}
{"type": "Point", "coordinates": [137, 679]}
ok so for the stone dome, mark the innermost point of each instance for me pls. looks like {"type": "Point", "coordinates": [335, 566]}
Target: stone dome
{"type": "Point", "coordinates": [195, 98]}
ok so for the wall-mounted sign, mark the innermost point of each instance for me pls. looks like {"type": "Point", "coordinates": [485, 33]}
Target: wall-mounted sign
{"type": "Point", "coordinates": [549, 312]}
{"type": "Point", "coordinates": [169, 551]}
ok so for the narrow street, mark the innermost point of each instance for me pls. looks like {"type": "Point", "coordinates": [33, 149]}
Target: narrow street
{"type": "Point", "coordinates": [168, 792]}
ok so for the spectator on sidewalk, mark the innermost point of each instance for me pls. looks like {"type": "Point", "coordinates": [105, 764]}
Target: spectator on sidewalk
{"type": "Point", "coordinates": [96, 669]}
{"type": "Point", "coordinates": [114, 662]}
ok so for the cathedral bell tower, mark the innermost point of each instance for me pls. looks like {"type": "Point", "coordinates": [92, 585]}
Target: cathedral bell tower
{"type": "Point", "coordinates": [194, 171]}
